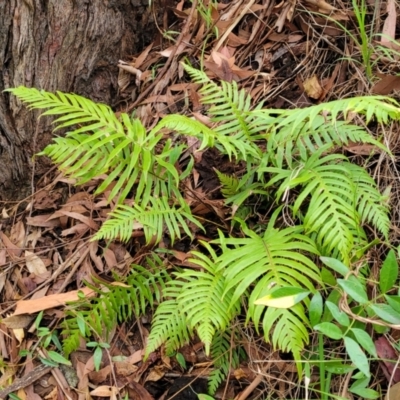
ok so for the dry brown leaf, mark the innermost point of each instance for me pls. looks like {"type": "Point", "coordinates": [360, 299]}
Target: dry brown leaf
{"type": "Point", "coordinates": [124, 368]}
{"type": "Point", "coordinates": [313, 88]}
{"type": "Point", "coordinates": [387, 84]}
{"type": "Point", "coordinates": [11, 248]}
{"type": "Point", "coordinates": [362, 149]}
{"type": "Point", "coordinates": [17, 235]}
{"type": "Point", "coordinates": [394, 392]}
{"type": "Point", "coordinates": [97, 377]}
{"type": "Point", "coordinates": [19, 334]}
{"type": "Point", "coordinates": [110, 258]}
{"type": "Point", "coordinates": [78, 228]}
{"type": "Point", "coordinates": [17, 321]}
{"type": "Point", "coordinates": [181, 48]}
{"type": "Point", "coordinates": [136, 357]}
{"type": "Point", "coordinates": [34, 264]}
{"type": "Point", "coordinates": [389, 26]}
{"type": "Point", "coordinates": [53, 300]}
{"type": "Point", "coordinates": [388, 357]}
{"type": "Point", "coordinates": [142, 57]}
{"type": "Point", "coordinates": [42, 221]}
{"type": "Point", "coordinates": [105, 391]}
{"type": "Point", "coordinates": [156, 374]}
{"type": "Point", "coordinates": [86, 220]}
{"type": "Point", "coordinates": [322, 6]}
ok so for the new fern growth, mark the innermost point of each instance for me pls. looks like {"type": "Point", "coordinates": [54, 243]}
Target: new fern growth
{"type": "Point", "coordinates": [329, 200]}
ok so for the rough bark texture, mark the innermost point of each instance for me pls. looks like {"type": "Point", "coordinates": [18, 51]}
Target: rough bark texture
{"type": "Point", "coordinates": [67, 45]}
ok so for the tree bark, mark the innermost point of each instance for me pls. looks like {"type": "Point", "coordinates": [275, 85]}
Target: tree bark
{"type": "Point", "coordinates": [67, 45]}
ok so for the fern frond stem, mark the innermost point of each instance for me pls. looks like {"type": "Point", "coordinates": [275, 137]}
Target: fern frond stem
{"type": "Point", "coordinates": [184, 32]}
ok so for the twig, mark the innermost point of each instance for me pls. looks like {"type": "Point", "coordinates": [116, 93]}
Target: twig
{"type": "Point", "coordinates": [166, 67]}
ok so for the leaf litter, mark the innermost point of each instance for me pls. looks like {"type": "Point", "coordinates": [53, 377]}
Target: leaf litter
{"type": "Point", "coordinates": [284, 54]}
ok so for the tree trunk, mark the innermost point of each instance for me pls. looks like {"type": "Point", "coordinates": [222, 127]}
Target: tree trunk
{"type": "Point", "coordinates": [67, 45]}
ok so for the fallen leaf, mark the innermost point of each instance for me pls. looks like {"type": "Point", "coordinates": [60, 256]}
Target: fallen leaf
{"type": "Point", "coordinates": [53, 300]}
{"type": "Point", "coordinates": [42, 221]}
{"type": "Point", "coordinates": [19, 334]}
{"type": "Point", "coordinates": [386, 85]}
{"type": "Point", "coordinates": [389, 26]}
{"type": "Point", "coordinates": [394, 392]}
{"type": "Point", "coordinates": [34, 264]}
{"type": "Point", "coordinates": [17, 321]}
{"type": "Point", "coordinates": [313, 88]}
{"type": "Point", "coordinates": [362, 149]}
{"type": "Point", "coordinates": [105, 391]}
{"type": "Point", "coordinates": [386, 353]}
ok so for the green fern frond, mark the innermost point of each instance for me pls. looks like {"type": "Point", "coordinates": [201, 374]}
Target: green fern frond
{"type": "Point", "coordinates": [228, 105]}
{"type": "Point", "coordinates": [310, 137]}
{"type": "Point", "coordinates": [331, 191]}
{"type": "Point", "coordinates": [290, 330]}
{"type": "Point", "coordinates": [229, 184]}
{"type": "Point", "coordinates": [204, 298]}
{"type": "Point", "coordinates": [71, 340]}
{"type": "Point", "coordinates": [225, 356]}
{"type": "Point", "coordinates": [382, 108]}
{"type": "Point", "coordinates": [153, 219]}
{"type": "Point", "coordinates": [223, 141]}
{"type": "Point", "coordinates": [116, 301]}
{"type": "Point", "coordinates": [286, 329]}
{"type": "Point", "coordinates": [256, 264]}
{"type": "Point", "coordinates": [169, 327]}
{"type": "Point", "coordinates": [76, 109]}
{"type": "Point", "coordinates": [104, 145]}
{"type": "Point", "coordinates": [370, 203]}
{"type": "Point", "coordinates": [276, 258]}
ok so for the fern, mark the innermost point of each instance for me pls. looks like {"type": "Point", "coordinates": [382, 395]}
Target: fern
{"type": "Point", "coordinates": [338, 195]}
{"type": "Point", "coordinates": [116, 301]}
{"type": "Point", "coordinates": [159, 212]}
{"type": "Point", "coordinates": [288, 154]}
{"type": "Point", "coordinates": [225, 356]}
{"type": "Point", "coordinates": [229, 184]}
{"type": "Point", "coordinates": [124, 152]}
{"type": "Point", "coordinates": [169, 325]}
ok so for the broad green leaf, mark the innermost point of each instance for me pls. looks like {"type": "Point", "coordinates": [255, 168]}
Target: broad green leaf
{"type": "Point", "coordinates": [389, 272]}
{"type": "Point", "coordinates": [386, 312]}
{"type": "Point", "coordinates": [334, 297]}
{"type": "Point", "coordinates": [181, 360]}
{"type": "Point", "coordinates": [365, 393]}
{"type": "Point", "coordinates": [354, 289]}
{"type": "Point", "coordinates": [315, 309]}
{"type": "Point", "coordinates": [81, 324]}
{"type": "Point", "coordinates": [338, 315]}
{"type": "Point", "coordinates": [336, 265]}
{"type": "Point", "coordinates": [97, 356]}
{"type": "Point", "coordinates": [357, 356]}
{"type": "Point", "coordinates": [329, 329]}
{"type": "Point", "coordinates": [284, 297]}
{"type": "Point", "coordinates": [327, 277]}
{"type": "Point", "coordinates": [58, 358]}
{"type": "Point", "coordinates": [365, 340]}
{"type": "Point", "coordinates": [394, 302]}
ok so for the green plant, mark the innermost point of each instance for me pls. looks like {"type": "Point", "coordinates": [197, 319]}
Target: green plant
{"type": "Point", "coordinates": [346, 312]}
{"type": "Point", "coordinates": [116, 302]}
{"type": "Point", "coordinates": [298, 175]}
{"type": "Point", "coordinates": [98, 352]}
{"type": "Point", "coordinates": [363, 38]}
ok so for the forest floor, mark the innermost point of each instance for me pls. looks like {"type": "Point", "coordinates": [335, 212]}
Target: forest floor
{"type": "Point", "coordinates": [285, 54]}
